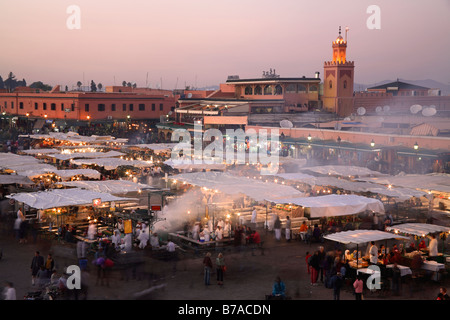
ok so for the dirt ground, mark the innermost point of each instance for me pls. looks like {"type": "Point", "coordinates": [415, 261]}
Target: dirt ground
{"type": "Point", "coordinates": [247, 277]}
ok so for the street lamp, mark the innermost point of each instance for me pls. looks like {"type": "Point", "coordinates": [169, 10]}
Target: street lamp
{"type": "Point", "coordinates": [372, 143]}
{"type": "Point", "coordinates": [309, 137]}
{"type": "Point", "coordinates": [416, 146]}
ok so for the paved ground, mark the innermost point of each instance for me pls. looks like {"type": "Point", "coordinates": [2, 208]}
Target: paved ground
{"type": "Point", "coordinates": [247, 278]}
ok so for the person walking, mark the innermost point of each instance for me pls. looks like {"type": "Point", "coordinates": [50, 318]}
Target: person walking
{"type": "Point", "coordinates": [315, 267]}
{"type": "Point", "coordinates": [322, 260]}
{"type": "Point", "coordinates": [358, 285]}
{"type": "Point", "coordinates": [49, 265]}
{"type": "Point", "coordinates": [207, 265]}
{"type": "Point", "coordinates": [336, 283]}
{"type": "Point", "coordinates": [277, 228]}
{"type": "Point", "coordinates": [36, 263]}
{"type": "Point", "coordinates": [288, 229]}
{"type": "Point", "coordinates": [220, 268]}
{"type": "Point", "coordinates": [10, 291]}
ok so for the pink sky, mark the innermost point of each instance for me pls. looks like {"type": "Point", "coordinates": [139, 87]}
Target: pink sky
{"type": "Point", "coordinates": [201, 42]}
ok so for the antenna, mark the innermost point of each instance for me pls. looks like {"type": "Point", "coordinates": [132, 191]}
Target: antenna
{"type": "Point", "coordinates": [346, 31]}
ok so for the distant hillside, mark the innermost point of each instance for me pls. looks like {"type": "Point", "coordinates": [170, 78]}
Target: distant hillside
{"type": "Point", "coordinates": [432, 84]}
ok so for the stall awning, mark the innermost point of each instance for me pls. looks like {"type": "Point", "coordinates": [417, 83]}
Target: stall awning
{"type": "Point", "coordinates": [57, 198]}
{"type": "Point", "coordinates": [109, 186]}
{"type": "Point", "coordinates": [362, 236]}
{"type": "Point", "coordinates": [334, 205]}
{"type": "Point", "coordinates": [15, 179]}
{"type": "Point", "coordinates": [236, 185]}
{"type": "Point", "coordinates": [345, 171]}
{"type": "Point", "coordinates": [418, 229]}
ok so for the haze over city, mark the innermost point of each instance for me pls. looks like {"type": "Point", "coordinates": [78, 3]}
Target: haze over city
{"type": "Point", "coordinates": [200, 43]}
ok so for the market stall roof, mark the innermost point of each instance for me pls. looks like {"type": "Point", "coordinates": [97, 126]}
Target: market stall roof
{"type": "Point", "coordinates": [69, 173]}
{"type": "Point", "coordinates": [87, 155]}
{"type": "Point", "coordinates": [14, 179]}
{"type": "Point", "coordinates": [113, 163]}
{"type": "Point", "coordinates": [109, 186]}
{"type": "Point", "coordinates": [56, 198]}
{"type": "Point", "coordinates": [74, 137]}
{"type": "Point", "coordinates": [362, 236]}
{"type": "Point", "coordinates": [418, 229]}
{"type": "Point", "coordinates": [439, 182]}
{"type": "Point", "coordinates": [401, 194]}
{"type": "Point", "coordinates": [235, 185]}
{"type": "Point", "coordinates": [334, 205]}
{"type": "Point", "coordinates": [191, 165]}
{"type": "Point", "coordinates": [40, 151]}
{"type": "Point", "coordinates": [346, 171]}
{"type": "Point", "coordinates": [157, 147]}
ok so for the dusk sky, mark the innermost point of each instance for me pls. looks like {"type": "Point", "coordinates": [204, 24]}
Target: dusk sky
{"type": "Point", "coordinates": [201, 42]}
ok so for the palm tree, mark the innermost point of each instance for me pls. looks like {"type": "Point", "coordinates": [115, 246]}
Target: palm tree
{"type": "Point", "coordinates": [79, 85]}
{"type": "Point", "coordinates": [99, 86]}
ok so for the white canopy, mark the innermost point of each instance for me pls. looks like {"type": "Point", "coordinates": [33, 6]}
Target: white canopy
{"type": "Point", "coordinates": [113, 163]}
{"type": "Point", "coordinates": [346, 171]}
{"type": "Point", "coordinates": [87, 155]}
{"type": "Point", "coordinates": [233, 185]}
{"type": "Point", "coordinates": [109, 186]}
{"type": "Point", "coordinates": [40, 151]}
{"type": "Point", "coordinates": [361, 236]}
{"type": "Point", "coordinates": [334, 205]}
{"type": "Point", "coordinates": [439, 182]}
{"type": "Point", "coordinates": [157, 147]}
{"type": "Point", "coordinates": [418, 229]}
{"type": "Point", "coordinates": [402, 194]}
{"type": "Point", "coordinates": [14, 179]}
{"type": "Point", "coordinates": [190, 165]}
{"type": "Point", "coordinates": [55, 198]}
{"type": "Point", "coordinates": [67, 174]}
{"type": "Point", "coordinates": [74, 137]}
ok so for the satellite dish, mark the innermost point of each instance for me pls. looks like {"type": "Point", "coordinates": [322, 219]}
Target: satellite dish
{"type": "Point", "coordinates": [347, 119]}
{"type": "Point", "coordinates": [189, 95]}
{"type": "Point", "coordinates": [386, 108]}
{"type": "Point", "coordinates": [286, 124]}
{"type": "Point", "coordinates": [428, 112]}
{"type": "Point", "coordinates": [361, 111]}
{"type": "Point", "coordinates": [415, 108]}
{"type": "Point", "coordinates": [378, 109]}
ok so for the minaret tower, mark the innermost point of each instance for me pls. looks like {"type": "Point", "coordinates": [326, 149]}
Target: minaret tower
{"type": "Point", "coordinates": [338, 79]}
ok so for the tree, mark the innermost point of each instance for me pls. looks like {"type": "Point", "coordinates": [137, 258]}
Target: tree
{"type": "Point", "coordinates": [79, 85]}
{"type": "Point", "coordinates": [124, 83]}
{"type": "Point", "coordinates": [11, 82]}
{"type": "Point", "coordinates": [2, 84]}
{"type": "Point", "coordinates": [93, 86]}
{"type": "Point", "coordinates": [134, 85]}
{"type": "Point", "coordinates": [67, 88]}
{"type": "Point", "coordinates": [100, 86]}
{"type": "Point", "coordinates": [129, 84]}
{"type": "Point", "coordinates": [40, 85]}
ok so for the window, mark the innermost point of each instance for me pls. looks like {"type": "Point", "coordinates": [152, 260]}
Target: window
{"type": "Point", "coordinates": [153, 107]}
{"type": "Point", "coordinates": [124, 107]}
{"type": "Point", "coordinates": [141, 107]}
{"type": "Point", "coordinates": [131, 107]}
{"type": "Point", "coordinates": [301, 88]}
{"type": "Point", "coordinates": [313, 88]}
{"type": "Point", "coordinates": [73, 106]}
{"type": "Point", "coordinates": [291, 88]}
{"type": "Point", "coordinates": [161, 106]}
{"type": "Point", "coordinates": [12, 105]}
{"type": "Point", "coordinates": [21, 105]}
{"type": "Point", "coordinates": [86, 107]}
{"type": "Point", "coordinates": [113, 107]}
{"type": "Point", "coordinates": [268, 90]}
{"type": "Point", "coordinates": [258, 90]}
{"type": "Point", "coordinates": [345, 85]}
{"type": "Point", "coordinates": [278, 89]}
{"type": "Point", "coordinates": [101, 107]}
{"type": "Point", "coordinates": [330, 84]}
{"type": "Point", "coordinates": [44, 106]}
{"type": "Point", "coordinates": [36, 106]}
{"type": "Point", "coordinates": [53, 106]}
{"type": "Point", "coordinates": [6, 104]}
{"type": "Point", "coordinates": [248, 90]}
{"type": "Point", "coordinates": [62, 106]}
